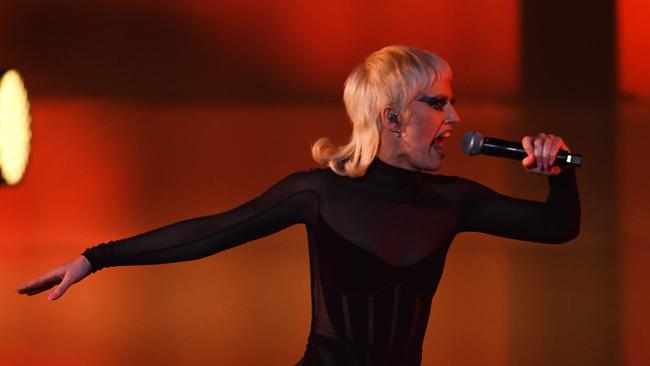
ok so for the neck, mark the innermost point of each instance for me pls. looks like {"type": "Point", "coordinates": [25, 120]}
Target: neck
{"type": "Point", "coordinates": [391, 154]}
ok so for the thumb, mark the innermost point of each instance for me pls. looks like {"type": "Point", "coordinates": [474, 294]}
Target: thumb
{"type": "Point", "coordinates": [528, 161]}
{"type": "Point", "coordinates": [61, 288]}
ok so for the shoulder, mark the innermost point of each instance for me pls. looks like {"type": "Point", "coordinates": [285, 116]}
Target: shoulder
{"type": "Point", "coordinates": [310, 175]}
{"type": "Point", "coordinates": [455, 188]}
{"type": "Point", "coordinates": [310, 179]}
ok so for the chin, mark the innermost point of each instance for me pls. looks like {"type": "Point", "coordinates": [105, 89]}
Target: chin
{"type": "Point", "coordinates": [430, 167]}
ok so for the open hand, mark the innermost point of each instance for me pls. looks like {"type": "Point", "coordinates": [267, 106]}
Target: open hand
{"type": "Point", "coordinates": [64, 276]}
{"type": "Point", "coordinates": [542, 151]}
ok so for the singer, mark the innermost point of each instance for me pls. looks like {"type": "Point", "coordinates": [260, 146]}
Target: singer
{"type": "Point", "coordinates": [379, 223]}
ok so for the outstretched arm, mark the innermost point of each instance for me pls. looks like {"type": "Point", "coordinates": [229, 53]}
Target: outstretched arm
{"type": "Point", "coordinates": [557, 220]}
{"type": "Point", "coordinates": [289, 202]}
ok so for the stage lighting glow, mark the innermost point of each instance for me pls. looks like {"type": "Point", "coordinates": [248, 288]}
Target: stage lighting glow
{"type": "Point", "coordinates": [15, 134]}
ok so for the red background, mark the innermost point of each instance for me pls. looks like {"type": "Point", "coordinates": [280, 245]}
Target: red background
{"type": "Point", "coordinates": [149, 112]}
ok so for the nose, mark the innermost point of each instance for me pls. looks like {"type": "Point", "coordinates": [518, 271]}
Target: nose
{"type": "Point", "coordinates": [451, 116]}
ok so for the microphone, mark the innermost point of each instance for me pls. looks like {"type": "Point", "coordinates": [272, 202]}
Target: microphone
{"type": "Point", "coordinates": [474, 143]}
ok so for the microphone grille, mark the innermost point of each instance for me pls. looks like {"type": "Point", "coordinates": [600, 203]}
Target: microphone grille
{"type": "Point", "coordinates": [472, 143]}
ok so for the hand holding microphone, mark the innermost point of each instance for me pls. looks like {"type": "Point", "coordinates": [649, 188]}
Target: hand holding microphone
{"type": "Point", "coordinates": [544, 154]}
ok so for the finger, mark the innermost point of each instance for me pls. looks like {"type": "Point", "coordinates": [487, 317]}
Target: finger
{"type": "Point", "coordinates": [42, 283]}
{"type": "Point", "coordinates": [563, 145]}
{"type": "Point", "coordinates": [527, 143]}
{"type": "Point", "coordinates": [60, 289]}
{"type": "Point", "coordinates": [539, 149]}
{"type": "Point", "coordinates": [40, 286]}
{"type": "Point", "coordinates": [546, 152]}
{"type": "Point", "coordinates": [555, 149]}
{"type": "Point", "coordinates": [529, 160]}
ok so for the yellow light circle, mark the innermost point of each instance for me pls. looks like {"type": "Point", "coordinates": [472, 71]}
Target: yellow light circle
{"type": "Point", "coordinates": [15, 134]}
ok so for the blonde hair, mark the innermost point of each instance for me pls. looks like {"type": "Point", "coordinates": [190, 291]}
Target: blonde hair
{"type": "Point", "coordinates": [389, 78]}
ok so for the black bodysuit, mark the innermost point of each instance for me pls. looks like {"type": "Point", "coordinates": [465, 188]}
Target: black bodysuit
{"type": "Point", "coordinates": [377, 248]}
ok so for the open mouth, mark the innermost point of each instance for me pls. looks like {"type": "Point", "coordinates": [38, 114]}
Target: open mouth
{"type": "Point", "coordinates": [438, 142]}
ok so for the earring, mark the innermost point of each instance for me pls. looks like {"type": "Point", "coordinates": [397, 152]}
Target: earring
{"type": "Point", "coordinates": [398, 133]}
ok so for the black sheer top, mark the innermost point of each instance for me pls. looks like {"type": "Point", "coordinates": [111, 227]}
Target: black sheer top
{"type": "Point", "coordinates": [377, 247]}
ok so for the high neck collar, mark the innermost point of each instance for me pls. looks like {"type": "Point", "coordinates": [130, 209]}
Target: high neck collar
{"type": "Point", "coordinates": [379, 168]}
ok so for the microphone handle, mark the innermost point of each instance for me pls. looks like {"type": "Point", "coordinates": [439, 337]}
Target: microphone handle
{"type": "Point", "coordinates": [515, 150]}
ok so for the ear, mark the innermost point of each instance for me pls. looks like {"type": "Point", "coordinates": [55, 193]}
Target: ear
{"type": "Point", "coordinates": [390, 119]}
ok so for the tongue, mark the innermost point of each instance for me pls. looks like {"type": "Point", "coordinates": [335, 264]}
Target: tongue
{"type": "Point", "coordinates": [438, 146]}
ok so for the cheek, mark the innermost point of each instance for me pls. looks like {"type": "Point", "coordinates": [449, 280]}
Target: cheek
{"type": "Point", "coordinates": [423, 127]}
{"type": "Point", "coordinates": [420, 142]}
{"type": "Point", "coordinates": [424, 134]}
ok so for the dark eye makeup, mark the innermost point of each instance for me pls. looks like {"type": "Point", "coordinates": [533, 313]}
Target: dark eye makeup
{"type": "Point", "coordinates": [436, 102]}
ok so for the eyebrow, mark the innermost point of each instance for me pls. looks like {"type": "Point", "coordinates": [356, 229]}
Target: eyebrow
{"type": "Point", "coordinates": [439, 98]}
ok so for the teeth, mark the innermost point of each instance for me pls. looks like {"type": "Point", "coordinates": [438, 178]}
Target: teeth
{"type": "Point", "coordinates": [444, 135]}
